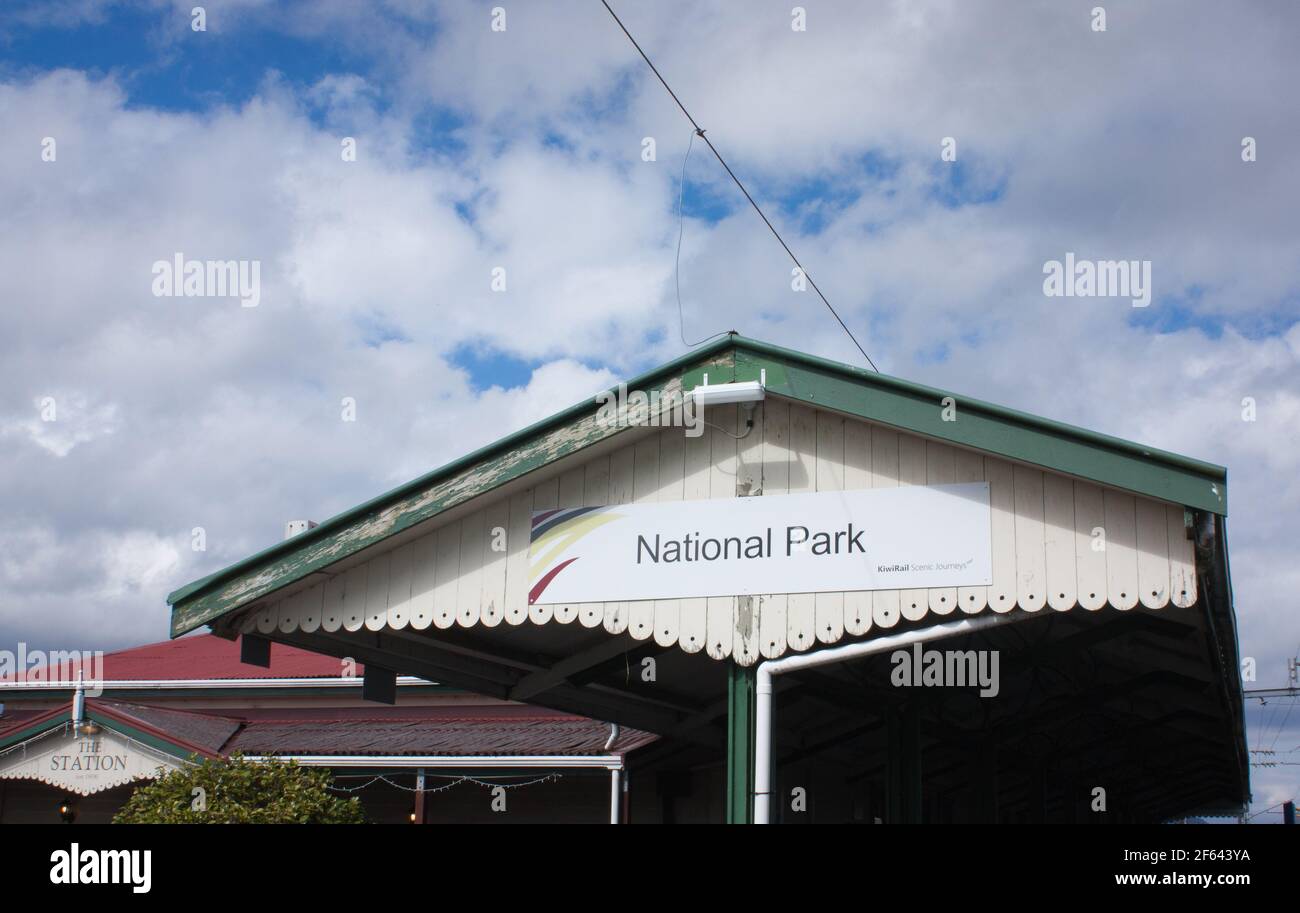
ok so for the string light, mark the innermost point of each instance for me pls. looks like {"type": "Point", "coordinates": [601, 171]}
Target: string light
{"type": "Point", "coordinates": [455, 781]}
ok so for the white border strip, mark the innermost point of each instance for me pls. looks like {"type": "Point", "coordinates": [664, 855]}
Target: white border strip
{"type": "Point", "coordinates": [199, 683]}
{"type": "Point", "coordinates": [608, 761]}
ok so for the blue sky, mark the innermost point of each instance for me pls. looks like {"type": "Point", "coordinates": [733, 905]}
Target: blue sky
{"type": "Point", "coordinates": [141, 48]}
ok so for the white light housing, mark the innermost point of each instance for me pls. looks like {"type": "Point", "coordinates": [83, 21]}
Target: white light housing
{"type": "Point", "coordinates": [297, 527]}
{"type": "Point", "coordinates": [748, 391]}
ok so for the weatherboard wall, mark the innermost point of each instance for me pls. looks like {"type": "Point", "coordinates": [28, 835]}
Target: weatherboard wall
{"type": "Point", "coordinates": [1048, 532]}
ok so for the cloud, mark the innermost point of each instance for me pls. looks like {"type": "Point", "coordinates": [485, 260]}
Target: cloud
{"type": "Point", "coordinates": [58, 428]}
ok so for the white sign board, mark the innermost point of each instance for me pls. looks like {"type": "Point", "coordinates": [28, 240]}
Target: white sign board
{"type": "Point", "coordinates": [84, 765]}
{"type": "Point", "coordinates": [874, 539]}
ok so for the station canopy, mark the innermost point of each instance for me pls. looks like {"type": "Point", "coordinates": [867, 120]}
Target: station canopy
{"type": "Point", "coordinates": [1122, 669]}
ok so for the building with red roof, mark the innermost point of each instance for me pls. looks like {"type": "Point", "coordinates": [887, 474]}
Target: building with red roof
{"type": "Point", "coordinates": [80, 748]}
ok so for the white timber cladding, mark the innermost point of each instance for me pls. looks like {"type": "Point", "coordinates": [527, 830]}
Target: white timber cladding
{"type": "Point", "coordinates": [1058, 542]}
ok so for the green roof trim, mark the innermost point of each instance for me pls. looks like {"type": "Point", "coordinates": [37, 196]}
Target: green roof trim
{"type": "Point", "coordinates": [795, 375]}
{"type": "Point", "coordinates": [42, 725]}
{"type": "Point", "coordinates": [986, 426]}
{"type": "Point", "coordinates": [178, 750]}
{"type": "Point", "coordinates": [63, 718]}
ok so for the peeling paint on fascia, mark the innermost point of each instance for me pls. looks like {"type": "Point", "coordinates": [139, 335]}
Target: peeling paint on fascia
{"type": "Point", "coordinates": [202, 608]}
{"type": "Point", "coordinates": [745, 612]}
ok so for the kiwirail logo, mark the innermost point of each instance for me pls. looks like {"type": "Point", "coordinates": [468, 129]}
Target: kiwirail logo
{"type": "Point", "coordinates": [181, 278]}
{"type": "Point", "coordinates": [1098, 279]}
{"type": "Point", "coordinates": [24, 667]}
{"type": "Point", "coordinates": [622, 408]}
{"type": "Point", "coordinates": [78, 866]}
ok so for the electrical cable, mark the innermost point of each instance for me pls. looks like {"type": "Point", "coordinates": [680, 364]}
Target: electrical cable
{"type": "Point", "coordinates": [677, 266]}
{"type": "Point", "coordinates": [1282, 725]}
{"type": "Point", "coordinates": [699, 131]}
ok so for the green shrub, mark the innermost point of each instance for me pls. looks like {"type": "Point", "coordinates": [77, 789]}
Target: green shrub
{"type": "Point", "coordinates": [238, 791]}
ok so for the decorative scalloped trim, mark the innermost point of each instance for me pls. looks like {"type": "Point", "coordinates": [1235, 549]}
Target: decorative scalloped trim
{"type": "Point", "coordinates": [67, 787]}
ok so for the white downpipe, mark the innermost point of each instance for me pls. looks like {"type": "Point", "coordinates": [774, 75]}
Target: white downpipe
{"type": "Point", "coordinates": [774, 667]}
{"type": "Point", "coordinates": [614, 791]}
{"type": "Point", "coordinates": [615, 795]}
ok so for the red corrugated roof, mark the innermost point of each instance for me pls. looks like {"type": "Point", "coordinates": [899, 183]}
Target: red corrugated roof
{"type": "Point", "coordinates": [207, 656]}
{"type": "Point", "coordinates": [508, 729]}
{"type": "Point", "coordinates": [17, 720]}
{"type": "Point", "coordinates": [205, 731]}
{"type": "Point", "coordinates": [193, 733]}
{"type": "Point", "coordinates": [441, 733]}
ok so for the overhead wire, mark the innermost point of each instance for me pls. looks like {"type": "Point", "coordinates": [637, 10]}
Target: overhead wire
{"type": "Point", "coordinates": [699, 131]}
{"type": "Point", "coordinates": [1282, 726]}
{"type": "Point", "coordinates": [677, 265]}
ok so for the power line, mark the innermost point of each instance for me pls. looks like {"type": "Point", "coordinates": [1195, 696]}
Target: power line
{"type": "Point", "coordinates": [1282, 726]}
{"type": "Point", "coordinates": [699, 131]}
{"type": "Point", "coordinates": [677, 264]}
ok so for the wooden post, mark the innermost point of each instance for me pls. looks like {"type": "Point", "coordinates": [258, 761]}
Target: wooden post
{"type": "Point", "coordinates": [419, 796]}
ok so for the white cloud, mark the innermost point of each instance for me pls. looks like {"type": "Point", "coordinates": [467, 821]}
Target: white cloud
{"type": "Point", "coordinates": [58, 423]}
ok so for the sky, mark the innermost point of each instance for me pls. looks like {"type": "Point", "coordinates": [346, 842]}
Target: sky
{"type": "Point", "coordinates": [128, 136]}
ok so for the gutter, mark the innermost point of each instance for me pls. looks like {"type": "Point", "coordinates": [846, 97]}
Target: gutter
{"type": "Point", "coordinates": [607, 761]}
{"type": "Point", "coordinates": [1029, 420]}
{"type": "Point", "coordinates": [611, 762]}
{"type": "Point", "coordinates": [233, 684]}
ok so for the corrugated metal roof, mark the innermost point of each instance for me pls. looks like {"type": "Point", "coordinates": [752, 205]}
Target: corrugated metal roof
{"type": "Point", "coordinates": [437, 731]}
{"type": "Point", "coordinates": [16, 720]}
{"type": "Point", "coordinates": [511, 729]}
{"type": "Point", "coordinates": [202, 730]}
{"type": "Point", "coordinates": [181, 732]}
{"type": "Point", "coordinates": [207, 657]}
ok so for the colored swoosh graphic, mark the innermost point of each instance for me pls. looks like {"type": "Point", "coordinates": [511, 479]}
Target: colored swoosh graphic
{"type": "Point", "coordinates": [552, 534]}
{"type": "Point", "coordinates": [558, 538]}
{"type": "Point", "coordinates": [542, 584]}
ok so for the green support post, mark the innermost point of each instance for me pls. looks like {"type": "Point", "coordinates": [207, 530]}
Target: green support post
{"type": "Point", "coordinates": [904, 771]}
{"type": "Point", "coordinates": [740, 743]}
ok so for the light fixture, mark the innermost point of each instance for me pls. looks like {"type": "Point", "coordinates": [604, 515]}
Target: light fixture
{"type": "Point", "coordinates": [67, 812]}
{"type": "Point", "coordinates": [747, 391]}
{"type": "Point", "coordinates": [90, 727]}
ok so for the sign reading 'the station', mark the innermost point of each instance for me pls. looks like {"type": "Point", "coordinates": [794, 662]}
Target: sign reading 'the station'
{"type": "Point", "coordinates": [85, 764]}
{"type": "Point", "coordinates": [873, 539]}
